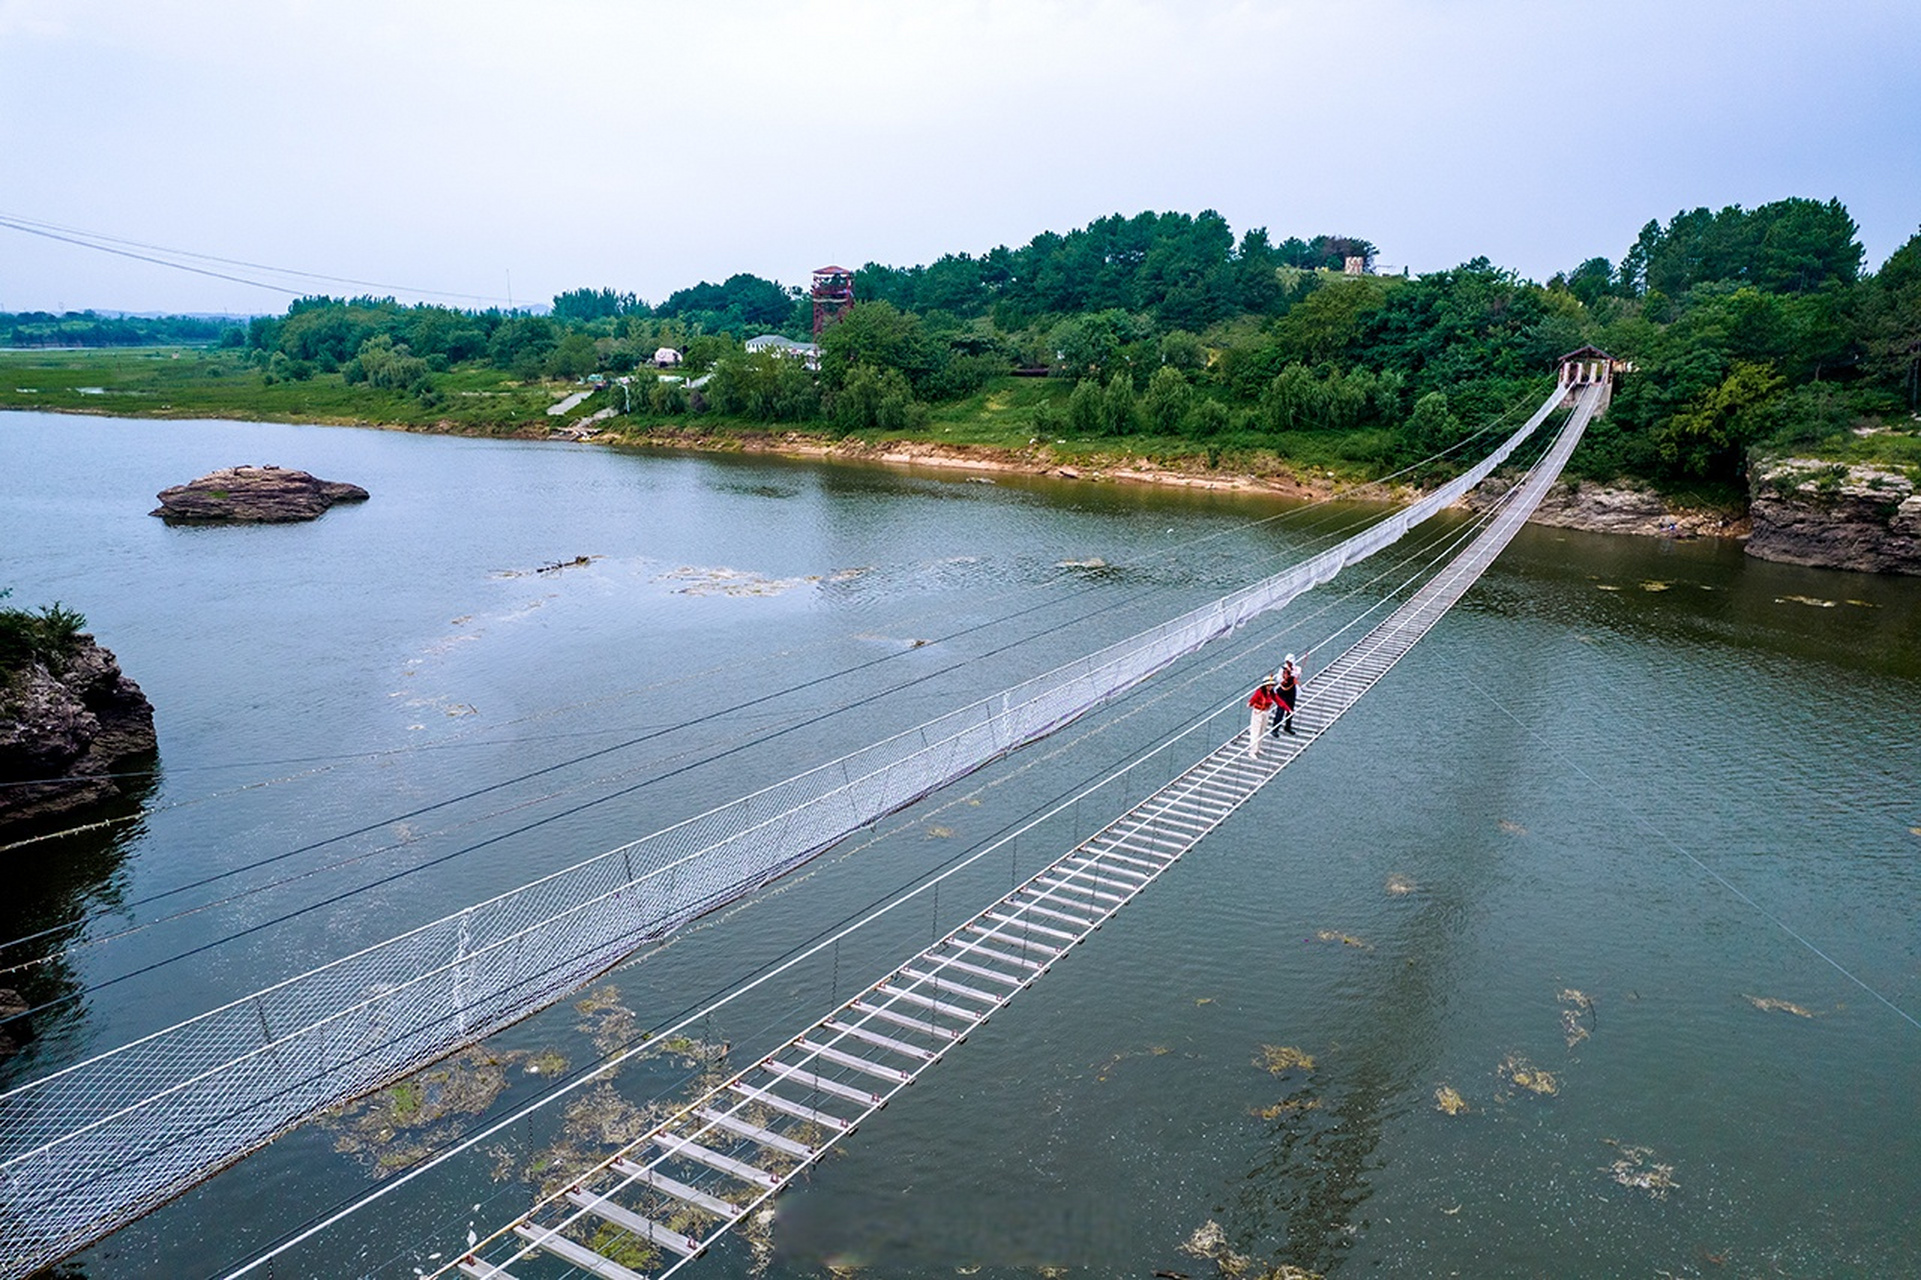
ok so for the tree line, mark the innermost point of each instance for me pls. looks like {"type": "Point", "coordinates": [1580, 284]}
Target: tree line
{"type": "Point", "coordinates": [90, 329]}
{"type": "Point", "coordinates": [1747, 328]}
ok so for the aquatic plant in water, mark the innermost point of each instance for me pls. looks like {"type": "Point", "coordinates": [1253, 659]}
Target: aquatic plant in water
{"type": "Point", "coordinates": [1575, 1006]}
{"type": "Point", "coordinates": [1768, 1004]}
{"type": "Point", "coordinates": [1522, 1074]}
{"type": "Point", "coordinates": [1637, 1169]}
{"type": "Point", "coordinates": [1278, 1058]}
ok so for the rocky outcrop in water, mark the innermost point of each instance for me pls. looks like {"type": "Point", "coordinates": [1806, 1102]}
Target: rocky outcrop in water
{"type": "Point", "coordinates": [75, 719]}
{"type": "Point", "coordinates": [1835, 516]}
{"type": "Point", "coordinates": [1620, 507]}
{"type": "Point", "coordinates": [253, 495]}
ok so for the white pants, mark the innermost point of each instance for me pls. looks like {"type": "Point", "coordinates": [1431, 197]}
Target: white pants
{"type": "Point", "coordinates": [1256, 725]}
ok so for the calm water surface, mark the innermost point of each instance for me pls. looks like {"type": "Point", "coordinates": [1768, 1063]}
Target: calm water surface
{"type": "Point", "coordinates": [1626, 797]}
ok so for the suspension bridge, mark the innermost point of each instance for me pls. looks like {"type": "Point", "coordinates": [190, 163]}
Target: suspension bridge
{"type": "Point", "coordinates": [88, 1148]}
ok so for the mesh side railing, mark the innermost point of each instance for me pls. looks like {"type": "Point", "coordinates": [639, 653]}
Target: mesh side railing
{"type": "Point", "coordinates": [92, 1146]}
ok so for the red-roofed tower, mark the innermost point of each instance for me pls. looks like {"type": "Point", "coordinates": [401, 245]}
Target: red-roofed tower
{"type": "Point", "coordinates": [833, 296]}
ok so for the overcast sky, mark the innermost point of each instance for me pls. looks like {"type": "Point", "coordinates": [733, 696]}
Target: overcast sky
{"type": "Point", "coordinates": [457, 146]}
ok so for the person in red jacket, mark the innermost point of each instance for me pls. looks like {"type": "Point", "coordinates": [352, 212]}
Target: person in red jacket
{"type": "Point", "coordinates": [1264, 701]}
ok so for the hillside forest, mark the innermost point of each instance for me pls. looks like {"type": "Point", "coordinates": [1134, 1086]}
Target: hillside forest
{"type": "Point", "coordinates": [1163, 333]}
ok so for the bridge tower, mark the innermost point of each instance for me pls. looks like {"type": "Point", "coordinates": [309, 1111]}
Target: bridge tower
{"type": "Point", "coordinates": [1590, 366]}
{"type": "Point", "coordinates": [833, 296]}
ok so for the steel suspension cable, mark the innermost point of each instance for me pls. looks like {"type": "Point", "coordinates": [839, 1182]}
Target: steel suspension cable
{"type": "Point", "coordinates": [1447, 542]}
{"type": "Point", "coordinates": [226, 873]}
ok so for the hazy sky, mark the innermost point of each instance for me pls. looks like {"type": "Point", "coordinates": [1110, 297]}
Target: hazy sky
{"type": "Point", "coordinates": [442, 146]}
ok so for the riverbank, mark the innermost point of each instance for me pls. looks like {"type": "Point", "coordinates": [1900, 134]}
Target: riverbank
{"type": "Point", "coordinates": [1624, 508]}
{"type": "Point", "coordinates": [1621, 508]}
{"type": "Point", "coordinates": [993, 433]}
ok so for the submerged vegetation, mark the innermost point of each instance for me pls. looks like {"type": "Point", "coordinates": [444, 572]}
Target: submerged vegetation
{"type": "Point", "coordinates": [1160, 335]}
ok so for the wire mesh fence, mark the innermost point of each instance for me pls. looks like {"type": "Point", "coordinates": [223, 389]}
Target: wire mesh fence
{"type": "Point", "coordinates": [92, 1146]}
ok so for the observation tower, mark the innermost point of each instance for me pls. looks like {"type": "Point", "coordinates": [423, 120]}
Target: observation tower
{"type": "Point", "coordinates": [833, 296]}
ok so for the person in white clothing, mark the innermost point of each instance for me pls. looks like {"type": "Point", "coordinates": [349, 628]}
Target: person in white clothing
{"type": "Point", "coordinates": [1260, 703]}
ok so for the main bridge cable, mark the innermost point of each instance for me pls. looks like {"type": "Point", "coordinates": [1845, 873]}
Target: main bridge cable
{"type": "Point", "coordinates": [833, 934]}
{"type": "Point", "coordinates": [281, 882]}
{"type": "Point", "coordinates": [81, 991]}
{"type": "Point", "coordinates": [470, 738]}
{"type": "Point", "coordinates": [741, 741]}
{"type": "Point", "coordinates": [711, 903]}
{"type": "Point", "coordinates": [751, 738]}
{"type": "Point", "coordinates": [145, 811]}
{"type": "Point", "coordinates": [309, 873]}
{"type": "Point", "coordinates": [577, 1215]}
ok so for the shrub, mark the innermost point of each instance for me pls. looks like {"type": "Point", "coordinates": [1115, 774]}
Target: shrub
{"type": "Point", "coordinates": [46, 637]}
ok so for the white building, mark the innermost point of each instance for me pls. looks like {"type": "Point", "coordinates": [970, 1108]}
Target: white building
{"type": "Point", "coordinates": [785, 347]}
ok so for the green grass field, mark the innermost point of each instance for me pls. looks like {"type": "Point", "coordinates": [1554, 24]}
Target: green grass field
{"type": "Point", "coordinates": [183, 382]}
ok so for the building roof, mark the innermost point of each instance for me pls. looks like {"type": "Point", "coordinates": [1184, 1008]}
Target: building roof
{"type": "Point", "coordinates": [1586, 353]}
{"type": "Point", "coordinates": [832, 271]}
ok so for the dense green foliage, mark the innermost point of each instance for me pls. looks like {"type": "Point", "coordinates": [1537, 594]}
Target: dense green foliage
{"type": "Point", "coordinates": [1164, 333]}
{"type": "Point", "coordinates": [46, 637]}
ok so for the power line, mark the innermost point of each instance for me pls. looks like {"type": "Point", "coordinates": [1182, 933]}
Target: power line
{"type": "Point", "coordinates": [105, 244]}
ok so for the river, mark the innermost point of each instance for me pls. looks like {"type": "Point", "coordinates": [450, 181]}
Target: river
{"type": "Point", "coordinates": [1626, 856]}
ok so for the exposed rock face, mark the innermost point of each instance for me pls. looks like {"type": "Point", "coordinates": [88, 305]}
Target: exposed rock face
{"type": "Point", "coordinates": [253, 495]}
{"type": "Point", "coordinates": [1617, 508]}
{"type": "Point", "coordinates": [1835, 516]}
{"type": "Point", "coordinates": [75, 724]}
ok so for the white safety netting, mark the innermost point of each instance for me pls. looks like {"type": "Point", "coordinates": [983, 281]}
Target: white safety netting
{"type": "Point", "coordinates": [92, 1146]}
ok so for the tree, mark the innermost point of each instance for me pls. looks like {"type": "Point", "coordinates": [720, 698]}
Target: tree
{"type": "Point", "coordinates": [1256, 279]}
{"type": "Point", "coordinates": [1210, 418]}
{"type": "Point", "coordinates": [881, 336]}
{"type": "Point", "coordinates": [763, 386]}
{"type": "Point", "coordinates": [594, 304]}
{"type": "Point", "coordinates": [1084, 409]}
{"type": "Point", "coordinates": [1432, 427]}
{"type": "Point", "coordinates": [1891, 322]}
{"type": "Point", "coordinates": [1591, 280]}
{"type": "Point", "coordinates": [573, 357]}
{"type": "Point", "coordinates": [1321, 326]}
{"type": "Point", "coordinates": [383, 363]}
{"type": "Point", "coordinates": [1801, 245]}
{"type": "Point", "coordinates": [1292, 401]}
{"type": "Point", "coordinates": [1709, 439]}
{"type": "Point", "coordinates": [1097, 344]}
{"type": "Point", "coordinates": [523, 343]}
{"type": "Point", "coordinates": [743, 301]}
{"type": "Point", "coordinates": [1167, 401]}
{"type": "Point", "coordinates": [1118, 405]}
{"type": "Point", "coordinates": [1183, 350]}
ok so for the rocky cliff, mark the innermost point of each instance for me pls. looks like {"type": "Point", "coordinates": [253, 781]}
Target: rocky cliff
{"type": "Point", "coordinates": [76, 720]}
{"type": "Point", "coordinates": [253, 495]}
{"type": "Point", "coordinates": [1835, 516]}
